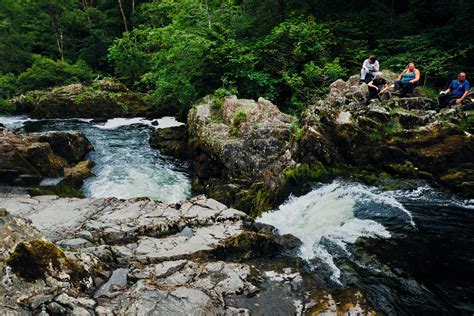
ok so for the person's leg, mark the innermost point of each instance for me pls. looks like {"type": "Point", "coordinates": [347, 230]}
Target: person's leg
{"type": "Point", "coordinates": [398, 85]}
{"type": "Point", "coordinates": [368, 77]}
{"type": "Point", "coordinates": [362, 74]}
{"type": "Point", "coordinates": [444, 100]}
{"type": "Point", "coordinates": [372, 93]}
{"type": "Point", "coordinates": [407, 88]}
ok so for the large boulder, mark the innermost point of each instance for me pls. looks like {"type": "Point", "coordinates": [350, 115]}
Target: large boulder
{"type": "Point", "coordinates": [73, 146]}
{"type": "Point", "coordinates": [104, 99]}
{"type": "Point", "coordinates": [241, 149]}
{"type": "Point", "coordinates": [172, 141]}
{"type": "Point", "coordinates": [26, 159]}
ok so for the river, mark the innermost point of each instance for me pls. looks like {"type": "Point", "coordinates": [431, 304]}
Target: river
{"type": "Point", "coordinates": [125, 165]}
{"type": "Point", "coordinates": [410, 252]}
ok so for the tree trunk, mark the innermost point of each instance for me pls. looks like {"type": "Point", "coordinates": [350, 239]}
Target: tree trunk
{"type": "Point", "coordinates": [123, 15]}
{"type": "Point", "coordinates": [60, 41]}
{"type": "Point", "coordinates": [87, 5]}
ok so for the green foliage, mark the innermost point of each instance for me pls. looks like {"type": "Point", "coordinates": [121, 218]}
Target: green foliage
{"type": "Point", "coordinates": [6, 107]}
{"type": "Point", "coordinates": [467, 123]}
{"type": "Point", "coordinates": [239, 117]}
{"type": "Point", "coordinates": [392, 128]}
{"type": "Point", "coordinates": [46, 73]}
{"type": "Point", "coordinates": [179, 51]}
{"type": "Point", "coordinates": [294, 128]}
{"type": "Point", "coordinates": [220, 94]}
{"type": "Point", "coordinates": [8, 85]}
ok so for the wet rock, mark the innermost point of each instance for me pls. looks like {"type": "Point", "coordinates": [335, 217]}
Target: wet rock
{"type": "Point", "coordinates": [25, 160]}
{"type": "Point", "coordinates": [172, 141]}
{"type": "Point", "coordinates": [79, 172]}
{"type": "Point", "coordinates": [240, 145]}
{"type": "Point", "coordinates": [72, 146]}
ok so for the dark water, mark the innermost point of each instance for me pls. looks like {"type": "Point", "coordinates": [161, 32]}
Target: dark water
{"type": "Point", "coordinates": [411, 253]}
{"type": "Point", "coordinates": [125, 165]}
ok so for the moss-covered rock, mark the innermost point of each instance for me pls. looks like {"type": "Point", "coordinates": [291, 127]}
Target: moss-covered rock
{"type": "Point", "coordinates": [36, 259]}
{"type": "Point", "coordinates": [103, 99]}
{"type": "Point", "coordinates": [247, 245]}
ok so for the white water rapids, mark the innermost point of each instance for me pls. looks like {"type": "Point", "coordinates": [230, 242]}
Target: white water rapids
{"type": "Point", "coordinates": [125, 165]}
{"type": "Point", "coordinates": [330, 213]}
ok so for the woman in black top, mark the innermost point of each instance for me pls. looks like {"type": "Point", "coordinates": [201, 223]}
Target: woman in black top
{"type": "Point", "coordinates": [376, 86]}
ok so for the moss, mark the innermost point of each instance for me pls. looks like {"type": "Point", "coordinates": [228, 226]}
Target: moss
{"type": "Point", "coordinates": [305, 173]}
{"type": "Point", "coordinates": [245, 246]}
{"type": "Point", "coordinates": [34, 260]}
{"type": "Point", "coordinates": [262, 203]}
{"type": "Point", "coordinates": [453, 177]}
{"type": "Point", "coordinates": [61, 190]}
{"type": "Point", "coordinates": [376, 136]}
{"type": "Point", "coordinates": [428, 92]}
{"type": "Point", "coordinates": [253, 201]}
{"type": "Point", "coordinates": [406, 170]}
{"type": "Point", "coordinates": [392, 128]}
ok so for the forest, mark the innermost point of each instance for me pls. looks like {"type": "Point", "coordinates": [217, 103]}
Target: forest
{"type": "Point", "coordinates": [287, 51]}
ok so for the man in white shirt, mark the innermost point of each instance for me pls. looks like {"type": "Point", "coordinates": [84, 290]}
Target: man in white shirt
{"type": "Point", "coordinates": [369, 69]}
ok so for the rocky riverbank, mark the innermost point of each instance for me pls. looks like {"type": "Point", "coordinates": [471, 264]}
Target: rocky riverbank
{"type": "Point", "coordinates": [102, 100]}
{"type": "Point", "coordinates": [139, 256]}
{"type": "Point", "coordinates": [44, 163]}
{"type": "Point", "coordinates": [251, 156]}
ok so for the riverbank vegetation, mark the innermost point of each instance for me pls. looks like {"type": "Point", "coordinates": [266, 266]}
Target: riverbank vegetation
{"type": "Point", "coordinates": [178, 51]}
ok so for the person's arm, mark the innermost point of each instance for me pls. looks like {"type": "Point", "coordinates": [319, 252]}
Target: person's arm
{"type": "Point", "coordinates": [449, 88]}
{"type": "Point", "coordinates": [400, 76]}
{"type": "Point", "coordinates": [417, 76]}
{"type": "Point", "coordinates": [371, 84]}
{"type": "Point", "coordinates": [385, 87]}
{"type": "Point", "coordinates": [365, 65]}
{"type": "Point", "coordinates": [376, 65]}
{"type": "Point", "coordinates": [466, 92]}
{"type": "Point", "coordinates": [459, 101]}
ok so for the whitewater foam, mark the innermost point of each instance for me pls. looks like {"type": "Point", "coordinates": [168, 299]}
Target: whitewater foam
{"type": "Point", "coordinates": [164, 122]}
{"type": "Point", "coordinates": [329, 213]}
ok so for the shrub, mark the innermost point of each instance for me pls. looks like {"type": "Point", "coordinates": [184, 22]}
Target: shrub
{"type": "Point", "coordinates": [8, 85]}
{"type": "Point", "coordinates": [6, 107]}
{"type": "Point", "coordinates": [46, 73]}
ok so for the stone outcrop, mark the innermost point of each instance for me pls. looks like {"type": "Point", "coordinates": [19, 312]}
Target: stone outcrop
{"type": "Point", "coordinates": [238, 148]}
{"type": "Point", "coordinates": [121, 257]}
{"type": "Point", "coordinates": [27, 159]}
{"type": "Point", "coordinates": [104, 99]}
{"type": "Point", "coordinates": [250, 155]}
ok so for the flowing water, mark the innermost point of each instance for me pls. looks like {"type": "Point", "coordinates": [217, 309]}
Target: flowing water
{"type": "Point", "coordinates": [410, 252]}
{"type": "Point", "coordinates": [125, 165]}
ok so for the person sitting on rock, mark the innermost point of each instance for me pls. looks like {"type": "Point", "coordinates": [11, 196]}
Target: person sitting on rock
{"type": "Point", "coordinates": [376, 87]}
{"type": "Point", "coordinates": [456, 93]}
{"type": "Point", "coordinates": [369, 68]}
{"type": "Point", "coordinates": [408, 80]}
